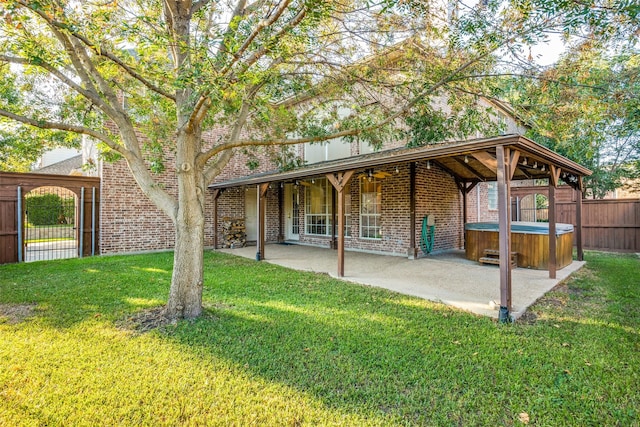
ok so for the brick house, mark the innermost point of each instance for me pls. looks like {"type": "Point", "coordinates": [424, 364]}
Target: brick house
{"type": "Point", "coordinates": [132, 223]}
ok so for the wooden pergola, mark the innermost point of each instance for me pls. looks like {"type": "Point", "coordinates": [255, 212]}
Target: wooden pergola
{"type": "Point", "coordinates": [502, 159]}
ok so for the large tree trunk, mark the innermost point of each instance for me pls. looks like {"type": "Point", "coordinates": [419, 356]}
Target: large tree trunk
{"type": "Point", "coordinates": [185, 295]}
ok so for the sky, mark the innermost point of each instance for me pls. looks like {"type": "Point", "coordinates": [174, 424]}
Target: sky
{"type": "Point", "coordinates": [548, 53]}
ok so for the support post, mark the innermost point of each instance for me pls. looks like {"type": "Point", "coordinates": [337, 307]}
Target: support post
{"type": "Point", "coordinates": [262, 208]}
{"type": "Point", "coordinates": [93, 221]}
{"type": "Point", "coordinates": [465, 189]}
{"type": "Point", "coordinates": [20, 226]}
{"type": "Point", "coordinates": [579, 219]}
{"type": "Point", "coordinates": [281, 224]}
{"type": "Point", "coordinates": [81, 234]}
{"type": "Point", "coordinates": [504, 219]}
{"type": "Point", "coordinates": [216, 195]}
{"type": "Point", "coordinates": [339, 181]}
{"type": "Point", "coordinates": [553, 262]}
{"type": "Point", "coordinates": [334, 214]}
{"type": "Point", "coordinates": [413, 250]}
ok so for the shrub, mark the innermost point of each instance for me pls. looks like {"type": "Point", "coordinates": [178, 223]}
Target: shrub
{"type": "Point", "coordinates": [49, 209]}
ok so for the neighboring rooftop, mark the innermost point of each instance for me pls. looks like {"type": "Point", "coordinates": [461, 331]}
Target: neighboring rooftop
{"type": "Point", "coordinates": [64, 167]}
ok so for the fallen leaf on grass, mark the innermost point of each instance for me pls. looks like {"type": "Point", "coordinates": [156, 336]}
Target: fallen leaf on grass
{"type": "Point", "coordinates": [524, 418]}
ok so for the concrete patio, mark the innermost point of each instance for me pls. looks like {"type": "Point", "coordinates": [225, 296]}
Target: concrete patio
{"type": "Point", "coordinates": [447, 277]}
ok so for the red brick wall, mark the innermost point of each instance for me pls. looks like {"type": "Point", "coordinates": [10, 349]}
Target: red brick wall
{"type": "Point", "coordinates": [130, 222]}
{"type": "Point", "coordinates": [437, 194]}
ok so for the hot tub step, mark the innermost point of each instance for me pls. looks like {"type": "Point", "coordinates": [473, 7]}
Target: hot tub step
{"type": "Point", "coordinates": [492, 256]}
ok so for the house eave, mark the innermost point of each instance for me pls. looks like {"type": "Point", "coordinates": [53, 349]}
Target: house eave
{"type": "Point", "coordinates": [526, 147]}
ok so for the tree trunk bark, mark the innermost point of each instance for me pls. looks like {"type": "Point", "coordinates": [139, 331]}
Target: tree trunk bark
{"type": "Point", "coordinates": [185, 295]}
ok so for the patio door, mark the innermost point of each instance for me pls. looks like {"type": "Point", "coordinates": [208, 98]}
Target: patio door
{"type": "Point", "coordinates": [291, 212]}
{"type": "Point", "coordinates": [251, 214]}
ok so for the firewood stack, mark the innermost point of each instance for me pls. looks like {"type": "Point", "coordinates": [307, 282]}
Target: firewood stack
{"type": "Point", "coordinates": [234, 233]}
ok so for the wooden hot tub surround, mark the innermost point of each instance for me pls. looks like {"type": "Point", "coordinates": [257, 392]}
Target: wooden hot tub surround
{"type": "Point", "coordinates": [529, 240]}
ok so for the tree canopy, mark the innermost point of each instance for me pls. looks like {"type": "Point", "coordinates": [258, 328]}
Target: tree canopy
{"type": "Point", "coordinates": [148, 78]}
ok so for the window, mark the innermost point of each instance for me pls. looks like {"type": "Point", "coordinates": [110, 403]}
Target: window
{"type": "Point", "coordinates": [347, 210]}
{"type": "Point", "coordinates": [317, 207]}
{"type": "Point", "coordinates": [318, 213]}
{"type": "Point", "coordinates": [370, 210]}
{"type": "Point", "coordinates": [330, 150]}
{"type": "Point", "coordinates": [492, 197]}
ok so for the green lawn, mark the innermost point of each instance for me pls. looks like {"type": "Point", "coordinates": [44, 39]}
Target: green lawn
{"type": "Point", "coordinates": [279, 347]}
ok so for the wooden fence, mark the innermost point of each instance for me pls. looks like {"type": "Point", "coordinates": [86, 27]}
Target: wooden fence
{"type": "Point", "coordinates": [13, 189]}
{"type": "Point", "coordinates": [607, 225]}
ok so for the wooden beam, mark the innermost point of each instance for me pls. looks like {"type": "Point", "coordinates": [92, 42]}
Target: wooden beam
{"type": "Point", "coordinates": [467, 167]}
{"type": "Point", "coordinates": [262, 208]}
{"type": "Point", "coordinates": [216, 195]}
{"type": "Point", "coordinates": [339, 181]}
{"type": "Point", "coordinates": [554, 177]}
{"type": "Point", "coordinates": [504, 227]}
{"type": "Point", "coordinates": [334, 204]}
{"type": "Point", "coordinates": [513, 162]}
{"type": "Point", "coordinates": [552, 231]}
{"type": "Point", "coordinates": [578, 192]}
{"type": "Point", "coordinates": [487, 160]}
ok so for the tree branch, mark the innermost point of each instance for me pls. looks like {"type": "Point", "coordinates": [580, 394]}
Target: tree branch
{"type": "Point", "coordinates": [45, 124]}
{"type": "Point", "coordinates": [261, 26]}
{"type": "Point", "coordinates": [98, 50]}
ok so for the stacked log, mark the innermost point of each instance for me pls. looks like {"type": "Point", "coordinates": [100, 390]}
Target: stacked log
{"type": "Point", "coordinates": [234, 233]}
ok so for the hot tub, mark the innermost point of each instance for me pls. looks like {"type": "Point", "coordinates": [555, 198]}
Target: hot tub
{"type": "Point", "coordinates": [530, 240]}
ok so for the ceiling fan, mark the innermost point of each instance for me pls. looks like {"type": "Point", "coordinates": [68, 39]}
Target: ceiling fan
{"type": "Point", "coordinates": [371, 173]}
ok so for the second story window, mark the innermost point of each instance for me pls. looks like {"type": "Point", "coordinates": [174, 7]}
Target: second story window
{"type": "Point", "coordinates": [323, 151]}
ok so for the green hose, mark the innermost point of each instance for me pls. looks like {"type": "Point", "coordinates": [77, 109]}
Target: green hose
{"type": "Point", "coordinates": [428, 233]}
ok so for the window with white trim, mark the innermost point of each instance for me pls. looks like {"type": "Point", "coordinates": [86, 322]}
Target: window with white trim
{"type": "Point", "coordinates": [371, 209]}
{"type": "Point", "coordinates": [317, 208]}
{"type": "Point", "coordinates": [492, 196]}
{"type": "Point", "coordinates": [347, 210]}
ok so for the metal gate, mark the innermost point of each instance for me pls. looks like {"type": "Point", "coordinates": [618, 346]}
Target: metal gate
{"type": "Point", "coordinates": [48, 217]}
{"type": "Point", "coordinates": [50, 229]}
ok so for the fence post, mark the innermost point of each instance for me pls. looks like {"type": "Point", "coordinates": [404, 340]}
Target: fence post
{"type": "Point", "coordinates": [93, 221]}
{"type": "Point", "coordinates": [81, 237]}
{"type": "Point", "coordinates": [20, 236]}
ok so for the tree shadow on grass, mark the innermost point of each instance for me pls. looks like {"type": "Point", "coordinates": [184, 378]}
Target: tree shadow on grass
{"type": "Point", "coordinates": [407, 360]}
{"type": "Point", "coordinates": [361, 350]}
{"type": "Point", "coordinates": [69, 292]}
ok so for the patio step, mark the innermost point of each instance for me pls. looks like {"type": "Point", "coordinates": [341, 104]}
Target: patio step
{"type": "Point", "coordinates": [492, 256]}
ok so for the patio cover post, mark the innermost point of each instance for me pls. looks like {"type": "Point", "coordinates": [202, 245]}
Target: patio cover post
{"type": "Point", "coordinates": [465, 188]}
{"type": "Point", "coordinates": [554, 177]}
{"type": "Point", "coordinates": [216, 195]}
{"type": "Point", "coordinates": [339, 181]}
{"type": "Point", "coordinates": [552, 231]}
{"type": "Point", "coordinates": [504, 220]}
{"type": "Point", "coordinates": [262, 194]}
{"type": "Point", "coordinates": [578, 190]}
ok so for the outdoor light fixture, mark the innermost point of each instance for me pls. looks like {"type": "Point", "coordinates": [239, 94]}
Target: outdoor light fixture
{"type": "Point", "coordinates": [524, 162]}
{"type": "Point", "coordinates": [397, 170]}
{"type": "Point", "coordinates": [543, 168]}
{"type": "Point", "coordinates": [428, 164]}
{"type": "Point", "coordinates": [535, 165]}
{"type": "Point", "coordinates": [466, 159]}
